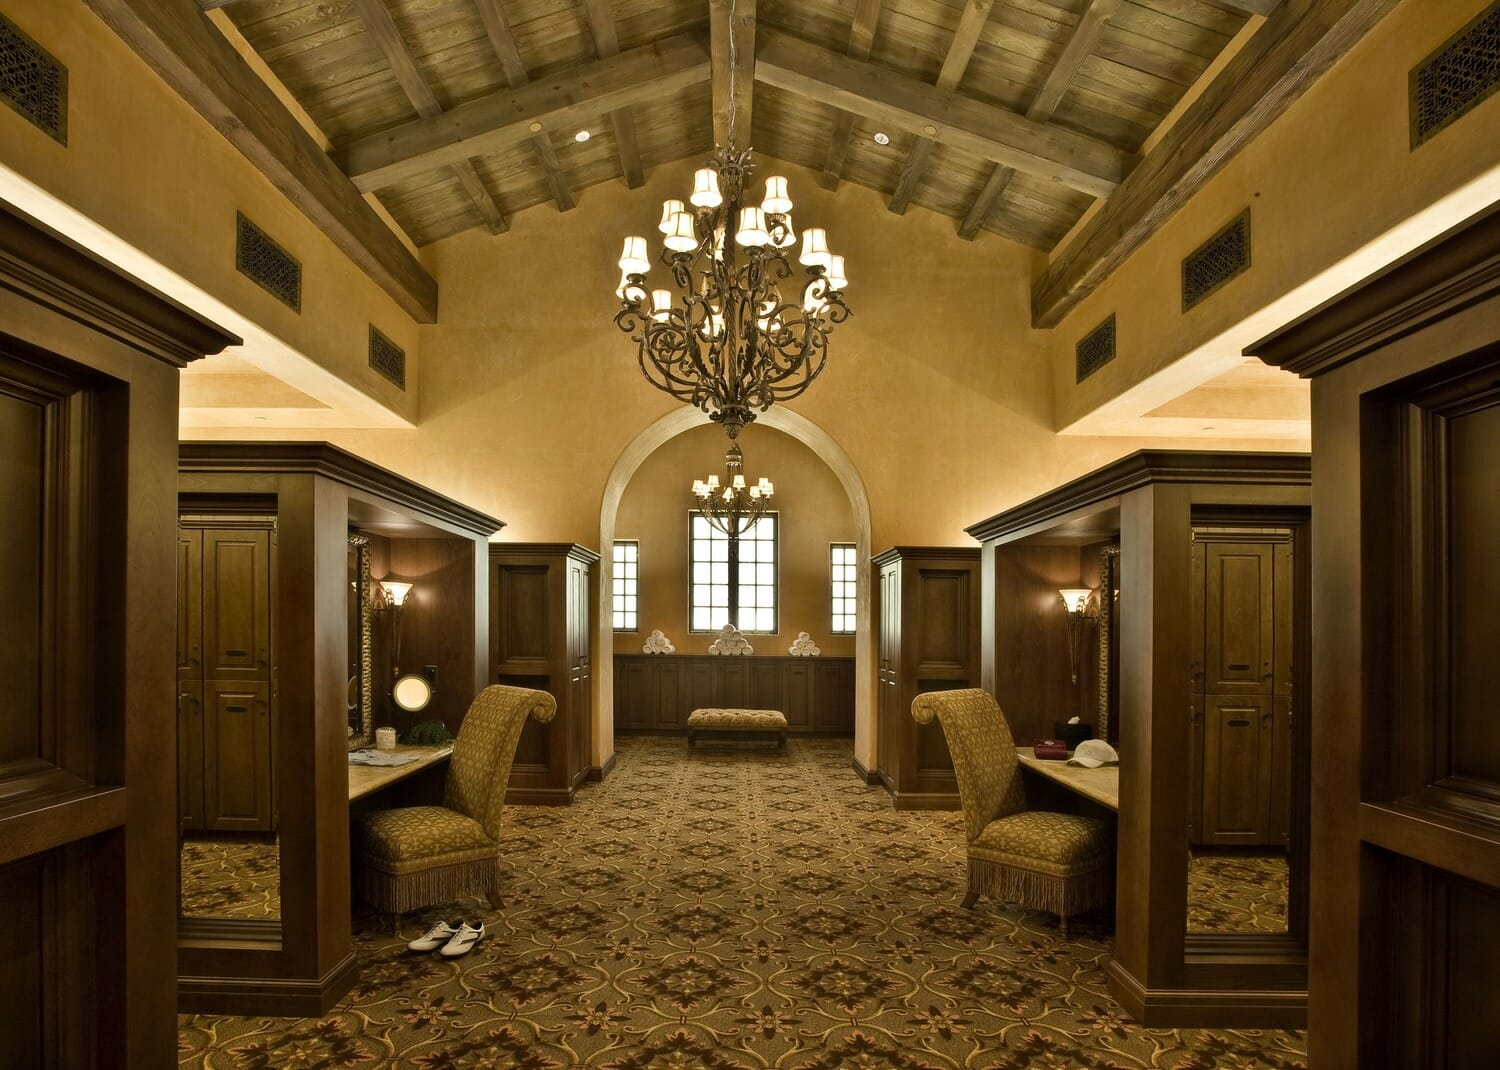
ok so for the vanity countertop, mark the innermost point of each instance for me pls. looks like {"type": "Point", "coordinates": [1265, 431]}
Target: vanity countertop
{"type": "Point", "coordinates": [365, 779]}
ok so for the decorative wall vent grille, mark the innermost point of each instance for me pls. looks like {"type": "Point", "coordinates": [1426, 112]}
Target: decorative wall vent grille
{"type": "Point", "coordinates": [1452, 81]}
{"type": "Point", "coordinates": [267, 264]}
{"type": "Point", "coordinates": [32, 82]}
{"type": "Point", "coordinates": [387, 358]}
{"type": "Point", "coordinates": [1095, 349]}
{"type": "Point", "coordinates": [1216, 261]}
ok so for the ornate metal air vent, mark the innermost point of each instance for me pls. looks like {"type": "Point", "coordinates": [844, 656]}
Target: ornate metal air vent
{"type": "Point", "coordinates": [267, 264]}
{"type": "Point", "coordinates": [1216, 261]}
{"type": "Point", "coordinates": [1452, 81]}
{"type": "Point", "coordinates": [387, 358]}
{"type": "Point", "coordinates": [32, 82]}
{"type": "Point", "coordinates": [1095, 349]}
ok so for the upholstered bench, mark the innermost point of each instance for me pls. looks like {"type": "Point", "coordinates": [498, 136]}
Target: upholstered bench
{"type": "Point", "coordinates": [738, 724]}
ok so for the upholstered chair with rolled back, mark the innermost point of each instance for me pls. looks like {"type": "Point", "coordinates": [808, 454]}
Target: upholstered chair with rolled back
{"type": "Point", "coordinates": [423, 856]}
{"type": "Point", "coordinates": [1061, 863]}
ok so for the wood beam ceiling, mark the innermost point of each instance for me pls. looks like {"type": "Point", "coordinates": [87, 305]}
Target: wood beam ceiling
{"type": "Point", "coordinates": [1297, 43]}
{"type": "Point", "coordinates": [377, 19]}
{"type": "Point", "coordinates": [975, 14]}
{"type": "Point", "coordinates": [1086, 34]}
{"type": "Point", "coordinates": [606, 44]}
{"type": "Point", "coordinates": [861, 40]}
{"type": "Point", "coordinates": [992, 133]}
{"type": "Point", "coordinates": [504, 120]}
{"type": "Point", "coordinates": [193, 57]}
{"type": "Point", "coordinates": [732, 40]}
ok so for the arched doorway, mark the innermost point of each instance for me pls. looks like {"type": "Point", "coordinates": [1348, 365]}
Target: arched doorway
{"type": "Point", "coordinates": [821, 443]}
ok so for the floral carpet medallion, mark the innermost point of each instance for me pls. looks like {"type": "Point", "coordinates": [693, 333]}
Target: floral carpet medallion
{"type": "Point", "coordinates": [730, 909]}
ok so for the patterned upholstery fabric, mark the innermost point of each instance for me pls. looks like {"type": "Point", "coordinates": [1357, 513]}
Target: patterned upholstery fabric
{"type": "Point", "coordinates": [421, 856]}
{"type": "Point", "coordinates": [714, 718]}
{"type": "Point", "coordinates": [1057, 862]}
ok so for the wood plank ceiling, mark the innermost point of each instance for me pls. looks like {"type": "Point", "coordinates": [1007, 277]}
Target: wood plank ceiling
{"type": "Point", "coordinates": [1010, 116]}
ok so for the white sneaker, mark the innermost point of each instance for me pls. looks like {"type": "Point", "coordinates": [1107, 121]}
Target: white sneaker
{"type": "Point", "coordinates": [463, 941]}
{"type": "Point", "coordinates": [433, 938]}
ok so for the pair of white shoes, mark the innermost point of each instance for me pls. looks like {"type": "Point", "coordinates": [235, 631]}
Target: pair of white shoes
{"type": "Point", "coordinates": [450, 941]}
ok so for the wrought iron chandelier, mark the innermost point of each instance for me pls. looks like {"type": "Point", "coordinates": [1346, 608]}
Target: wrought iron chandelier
{"type": "Point", "coordinates": [726, 340]}
{"type": "Point", "coordinates": [734, 506]}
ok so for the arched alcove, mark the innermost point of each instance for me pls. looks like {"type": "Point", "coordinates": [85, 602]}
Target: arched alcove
{"type": "Point", "coordinates": [634, 455]}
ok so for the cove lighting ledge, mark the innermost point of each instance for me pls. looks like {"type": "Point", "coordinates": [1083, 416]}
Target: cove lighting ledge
{"type": "Point", "coordinates": [349, 406]}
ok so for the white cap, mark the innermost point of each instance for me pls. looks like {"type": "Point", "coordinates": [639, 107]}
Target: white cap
{"type": "Point", "coordinates": [1092, 753]}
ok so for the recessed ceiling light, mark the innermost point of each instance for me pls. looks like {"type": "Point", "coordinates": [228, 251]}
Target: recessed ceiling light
{"type": "Point", "coordinates": [882, 138]}
{"type": "Point", "coordinates": [581, 136]}
{"type": "Point", "coordinates": [534, 126]}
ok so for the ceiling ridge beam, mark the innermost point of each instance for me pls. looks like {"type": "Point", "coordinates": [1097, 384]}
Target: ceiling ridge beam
{"type": "Point", "coordinates": [606, 44]}
{"type": "Point", "coordinates": [960, 50]}
{"type": "Point", "coordinates": [378, 21]}
{"type": "Point", "coordinates": [739, 31]}
{"type": "Point", "coordinates": [504, 119]}
{"type": "Point", "coordinates": [1287, 54]}
{"type": "Point", "coordinates": [196, 61]}
{"type": "Point", "coordinates": [861, 40]}
{"type": "Point", "coordinates": [1076, 160]}
{"type": "Point", "coordinates": [1080, 46]}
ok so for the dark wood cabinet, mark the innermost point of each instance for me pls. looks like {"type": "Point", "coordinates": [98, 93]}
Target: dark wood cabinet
{"type": "Point", "coordinates": [1240, 671]}
{"type": "Point", "coordinates": [656, 692]}
{"type": "Point", "coordinates": [929, 641]}
{"type": "Point", "coordinates": [224, 583]}
{"type": "Point", "coordinates": [539, 637]}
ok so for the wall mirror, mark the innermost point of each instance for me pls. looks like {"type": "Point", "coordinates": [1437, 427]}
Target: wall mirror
{"type": "Point", "coordinates": [361, 616]}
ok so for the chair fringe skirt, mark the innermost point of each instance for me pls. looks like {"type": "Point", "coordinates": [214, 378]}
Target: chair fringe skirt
{"type": "Point", "coordinates": [1063, 896]}
{"type": "Point", "coordinates": [401, 894]}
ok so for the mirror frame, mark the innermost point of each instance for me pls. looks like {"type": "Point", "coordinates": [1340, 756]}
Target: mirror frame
{"type": "Point", "coordinates": [359, 546]}
{"type": "Point", "coordinates": [1108, 621]}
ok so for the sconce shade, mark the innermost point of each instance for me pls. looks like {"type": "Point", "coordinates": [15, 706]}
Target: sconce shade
{"type": "Point", "coordinates": [395, 592]}
{"type": "Point", "coordinates": [1075, 599]}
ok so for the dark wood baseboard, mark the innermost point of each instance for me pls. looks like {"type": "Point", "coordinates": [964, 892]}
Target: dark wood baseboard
{"type": "Point", "coordinates": [924, 800]}
{"type": "Point", "coordinates": [597, 773]}
{"type": "Point", "coordinates": [278, 997]}
{"type": "Point", "coordinates": [539, 796]}
{"type": "Point", "coordinates": [1211, 1008]}
{"type": "Point", "coordinates": [869, 776]}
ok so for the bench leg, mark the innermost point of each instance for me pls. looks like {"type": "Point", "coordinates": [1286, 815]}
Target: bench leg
{"type": "Point", "coordinates": [970, 898]}
{"type": "Point", "coordinates": [781, 741]}
{"type": "Point", "coordinates": [690, 737]}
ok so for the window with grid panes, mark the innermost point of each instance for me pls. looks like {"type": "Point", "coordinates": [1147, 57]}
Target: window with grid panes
{"type": "Point", "coordinates": [733, 581]}
{"type": "Point", "coordinates": [626, 586]}
{"type": "Point", "coordinates": [843, 577]}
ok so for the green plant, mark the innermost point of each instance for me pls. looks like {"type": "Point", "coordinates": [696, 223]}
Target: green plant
{"type": "Point", "coordinates": [428, 734]}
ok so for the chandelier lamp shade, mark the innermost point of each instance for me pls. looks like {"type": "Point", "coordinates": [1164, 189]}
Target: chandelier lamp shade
{"type": "Point", "coordinates": [732, 506]}
{"type": "Point", "coordinates": [721, 333]}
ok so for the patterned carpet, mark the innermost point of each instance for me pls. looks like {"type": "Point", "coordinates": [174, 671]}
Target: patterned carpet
{"type": "Point", "coordinates": [1234, 892]}
{"type": "Point", "coordinates": [231, 879]}
{"type": "Point", "coordinates": [733, 908]}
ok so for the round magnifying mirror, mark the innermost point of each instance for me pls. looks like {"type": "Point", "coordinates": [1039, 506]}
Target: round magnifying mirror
{"type": "Point", "coordinates": [412, 693]}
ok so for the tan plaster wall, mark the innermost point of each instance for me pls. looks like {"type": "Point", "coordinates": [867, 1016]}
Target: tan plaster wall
{"type": "Point", "coordinates": [1333, 187]}
{"type": "Point", "coordinates": [163, 185]}
{"type": "Point", "coordinates": [814, 511]}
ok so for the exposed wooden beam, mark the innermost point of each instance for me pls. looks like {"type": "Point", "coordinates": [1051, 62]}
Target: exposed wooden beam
{"type": "Point", "coordinates": [1296, 45]}
{"type": "Point", "coordinates": [732, 40]}
{"type": "Point", "coordinates": [190, 54]}
{"type": "Point", "coordinates": [505, 119]}
{"type": "Point", "coordinates": [377, 19]}
{"type": "Point", "coordinates": [1080, 45]}
{"type": "Point", "coordinates": [861, 40]}
{"type": "Point", "coordinates": [214, 5]}
{"type": "Point", "coordinates": [992, 133]}
{"type": "Point", "coordinates": [497, 29]}
{"type": "Point", "coordinates": [1248, 7]}
{"type": "Point", "coordinates": [606, 44]}
{"type": "Point", "coordinates": [960, 50]}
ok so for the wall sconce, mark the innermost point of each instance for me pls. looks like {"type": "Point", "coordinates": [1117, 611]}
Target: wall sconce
{"type": "Point", "coordinates": [396, 594]}
{"type": "Point", "coordinates": [1075, 602]}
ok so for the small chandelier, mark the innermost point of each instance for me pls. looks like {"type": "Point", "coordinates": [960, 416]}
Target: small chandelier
{"type": "Point", "coordinates": [725, 339]}
{"type": "Point", "coordinates": [733, 507]}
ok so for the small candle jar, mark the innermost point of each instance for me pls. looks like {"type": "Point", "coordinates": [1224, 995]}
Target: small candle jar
{"type": "Point", "coordinates": [385, 739]}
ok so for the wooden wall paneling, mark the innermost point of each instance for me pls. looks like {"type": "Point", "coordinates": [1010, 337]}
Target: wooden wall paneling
{"type": "Point", "coordinates": [236, 776]}
{"type": "Point", "coordinates": [438, 628]}
{"type": "Point", "coordinates": [657, 691]}
{"type": "Point", "coordinates": [833, 696]}
{"type": "Point", "coordinates": [797, 701]}
{"type": "Point", "coordinates": [1030, 648]}
{"type": "Point", "coordinates": [671, 683]}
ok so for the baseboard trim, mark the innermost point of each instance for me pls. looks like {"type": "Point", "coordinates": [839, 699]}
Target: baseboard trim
{"type": "Point", "coordinates": [924, 800]}
{"type": "Point", "coordinates": [869, 776]}
{"type": "Point", "coordinates": [538, 796]}
{"type": "Point", "coordinates": [597, 773]}
{"type": "Point", "coordinates": [276, 997]}
{"type": "Point", "coordinates": [1206, 1008]}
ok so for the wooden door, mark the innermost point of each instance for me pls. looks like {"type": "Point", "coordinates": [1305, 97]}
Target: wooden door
{"type": "Point", "coordinates": [1237, 770]}
{"type": "Point", "coordinates": [1239, 647]}
{"type": "Point", "coordinates": [580, 702]}
{"type": "Point", "coordinates": [888, 736]}
{"type": "Point", "coordinates": [190, 754]}
{"type": "Point", "coordinates": [236, 604]}
{"type": "Point", "coordinates": [189, 604]}
{"type": "Point", "coordinates": [237, 757]}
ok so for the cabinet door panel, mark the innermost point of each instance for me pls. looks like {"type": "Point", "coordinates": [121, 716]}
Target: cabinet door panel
{"type": "Point", "coordinates": [669, 696]}
{"type": "Point", "coordinates": [833, 696]}
{"type": "Point", "coordinates": [237, 757]}
{"type": "Point", "coordinates": [764, 690]}
{"type": "Point", "coordinates": [189, 604]}
{"type": "Point", "coordinates": [1238, 600]}
{"type": "Point", "coordinates": [797, 695]}
{"type": "Point", "coordinates": [236, 614]}
{"type": "Point", "coordinates": [702, 686]}
{"type": "Point", "coordinates": [190, 754]}
{"type": "Point", "coordinates": [732, 683]}
{"type": "Point", "coordinates": [1237, 770]}
{"type": "Point", "coordinates": [635, 695]}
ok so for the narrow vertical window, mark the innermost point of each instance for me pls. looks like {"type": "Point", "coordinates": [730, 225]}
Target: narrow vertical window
{"type": "Point", "coordinates": [844, 577]}
{"type": "Point", "coordinates": [733, 581]}
{"type": "Point", "coordinates": [626, 585]}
